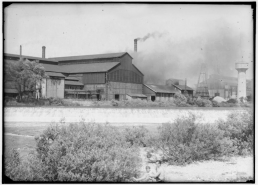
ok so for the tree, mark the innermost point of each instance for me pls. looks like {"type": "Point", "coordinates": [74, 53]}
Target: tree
{"type": "Point", "coordinates": [24, 74]}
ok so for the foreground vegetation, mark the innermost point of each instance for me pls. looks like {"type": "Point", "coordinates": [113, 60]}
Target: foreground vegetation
{"type": "Point", "coordinates": [179, 100]}
{"type": "Point", "coordinates": [103, 153]}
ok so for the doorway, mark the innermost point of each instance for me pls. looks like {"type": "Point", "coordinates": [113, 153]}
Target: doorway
{"type": "Point", "coordinates": [153, 98]}
{"type": "Point", "coordinates": [117, 97]}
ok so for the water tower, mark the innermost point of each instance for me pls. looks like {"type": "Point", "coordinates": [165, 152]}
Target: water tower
{"type": "Point", "coordinates": [241, 87]}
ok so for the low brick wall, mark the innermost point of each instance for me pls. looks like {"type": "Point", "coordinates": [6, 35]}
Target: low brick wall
{"type": "Point", "coordinates": [128, 116]}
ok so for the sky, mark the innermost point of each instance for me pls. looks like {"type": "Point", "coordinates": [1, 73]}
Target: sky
{"type": "Point", "coordinates": [178, 39]}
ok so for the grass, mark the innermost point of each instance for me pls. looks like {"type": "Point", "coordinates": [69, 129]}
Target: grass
{"type": "Point", "coordinates": [31, 130]}
{"type": "Point", "coordinates": [24, 144]}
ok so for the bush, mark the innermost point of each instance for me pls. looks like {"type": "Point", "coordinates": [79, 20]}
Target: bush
{"type": "Point", "coordinates": [138, 136]}
{"type": "Point", "coordinates": [179, 99]}
{"type": "Point", "coordinates": [55, 101]}
{"type": "Point", "coordinates": [82, 152]}
{"type": "Point", "coordinates": [203, 103]}
{"type": "Point", "coordinates": [232, 101]}
{"type": "Point", "coordinates": [215, 104]}
{"type": "Point", "coordinates": [239, 128]}
{"type": "Point", "coordinates": [185, 141]}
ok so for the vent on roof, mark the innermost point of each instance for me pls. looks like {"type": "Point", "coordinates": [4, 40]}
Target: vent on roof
{"type": "Point", "coordinates": [43, 51]}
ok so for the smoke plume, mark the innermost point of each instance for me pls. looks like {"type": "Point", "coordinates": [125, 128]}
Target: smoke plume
{"type": "Point", "coordinates": [152, 35]}
{"type": "Point", "coordinates": [164, 56]}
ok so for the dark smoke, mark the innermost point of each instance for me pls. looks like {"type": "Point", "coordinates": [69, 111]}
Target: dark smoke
{"type": "Point", "coordinates": [151, 35]}
{"type": "Point", "coordinates": [164, 57]}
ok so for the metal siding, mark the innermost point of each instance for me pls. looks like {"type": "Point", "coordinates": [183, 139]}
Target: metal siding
{"type": "Point", "coordinates": [94, 78]}
{"type": "Point", "coordinates": [125, 72]}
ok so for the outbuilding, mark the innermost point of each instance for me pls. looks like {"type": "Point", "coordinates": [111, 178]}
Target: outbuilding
{"type": "Point", "coordinates": [158, 92]}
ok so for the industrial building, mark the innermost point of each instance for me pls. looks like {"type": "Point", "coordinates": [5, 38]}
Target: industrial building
{"type": "Point", "coordinates": [159, 92]}
{"type": "Point", "coordinates": [226, 86]}
{"type": "Point", "coordinates": [103, 76]}
{"type": "Point", "coordinates": [180, 86]}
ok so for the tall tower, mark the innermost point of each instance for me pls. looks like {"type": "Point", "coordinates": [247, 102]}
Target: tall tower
{"type": "Point", "coordinates": [241, 87]}
{"type": "Point", "coordinates": [202, 86]}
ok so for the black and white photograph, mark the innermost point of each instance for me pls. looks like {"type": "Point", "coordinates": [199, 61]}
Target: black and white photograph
{"type": "Point", "coordinates": [133, 92]}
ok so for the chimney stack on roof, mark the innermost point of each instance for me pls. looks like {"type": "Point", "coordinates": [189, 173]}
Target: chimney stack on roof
{"type": "Point", "coordinates": [20, 50]}
{"type": "Point", "coordinates": [43, 51]}
{"type": "Point", "coordinates": [135, 45]}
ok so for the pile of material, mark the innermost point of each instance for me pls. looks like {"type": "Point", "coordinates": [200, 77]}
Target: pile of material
{"type": "Point", "coordinates": [219, 99]}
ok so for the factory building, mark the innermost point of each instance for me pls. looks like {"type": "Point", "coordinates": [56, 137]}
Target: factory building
{"type": "Point", "coordinates": [158, 92]}
{"type": "Point", "coordinates": [180, 86]}
{"type": "Point", "coordinates": [226, 86]}
{"type": "Point", "coordinates": [102, 76]}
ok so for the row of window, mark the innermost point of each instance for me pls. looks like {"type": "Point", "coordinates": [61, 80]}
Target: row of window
{"type": "Point", "coordinates": [73, 87]}
{"type": "Point", "coordinates": [126, 76]}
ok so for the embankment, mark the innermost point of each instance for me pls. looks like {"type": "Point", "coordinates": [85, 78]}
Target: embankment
{"type": "Point", "coordinates": [128, 116]}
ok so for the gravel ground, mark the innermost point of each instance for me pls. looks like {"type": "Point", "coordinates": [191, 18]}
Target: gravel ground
{"type": "Point", "coordinates": [206, 171]}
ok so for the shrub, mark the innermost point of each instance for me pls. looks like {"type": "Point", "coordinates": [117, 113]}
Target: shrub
{"type": "Point", "coordinates": [138, 136]}
{"type": "Point", "coordinates": [239, 128]}
{"type": "Point", "coordinates": [232, 101]}
{"type": "Point", "coordinates": [203, 103]}
{"type": "Point", "coordinates": [55, 101]}
{"type": "Point", "coordinates": [185, 141]}
{"type": "Point", "coordinates": [82, 152]}
{"type": "Point", "coordinates": [215, 104]}
{"type": "Point", "coordinates": [179, 99]}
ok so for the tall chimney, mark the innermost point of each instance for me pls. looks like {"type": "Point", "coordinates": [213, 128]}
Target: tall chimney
{"type": "Point", "coordinates": [20, 52]}
{"type": "Point", "coordinates": [135, 45]}
{"type": "Point", "coordinates": [43, 51]}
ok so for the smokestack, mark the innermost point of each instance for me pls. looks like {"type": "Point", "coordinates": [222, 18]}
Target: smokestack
{"type": "Point", "coordinates": [43, 51]}
{"type": "Point", "coordinates": [135, 45]}
{"type": "Point", "coordinates": [20, 50]}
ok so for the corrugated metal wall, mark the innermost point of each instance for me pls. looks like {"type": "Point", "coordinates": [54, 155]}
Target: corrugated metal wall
{"type": "Point", "coordinates": [93, 78]}
{"type": "Point", "coordinates": [125, 72]}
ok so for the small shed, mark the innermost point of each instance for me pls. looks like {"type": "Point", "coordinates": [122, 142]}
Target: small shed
{"type": "Point", "coordinates": [158, 92]}
{"type": "Point", "coordinates": [183, 88]}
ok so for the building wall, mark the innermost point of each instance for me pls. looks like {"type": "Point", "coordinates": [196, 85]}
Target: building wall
{"type": "Point", "coordinates": [93, 78]}
{"type": "Point", "coordinates": [164, 97]}
{"type": "Point", "coordinates": [122, 89]}
{"type": "Point", "coordinates": [148, 92]}
{"type": "Point", "coordinates": [125, 72]}
{"type": "Point", "coordinates": [224, 93]}
{"type": "Point", "coordinates": [52, 88]}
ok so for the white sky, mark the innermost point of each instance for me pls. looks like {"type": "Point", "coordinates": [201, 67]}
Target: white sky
{"type": "Point", "coordinates": [81, 29]}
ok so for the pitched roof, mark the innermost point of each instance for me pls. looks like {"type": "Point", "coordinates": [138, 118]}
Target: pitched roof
{"type": "Point", "coordinates": [160, 88]}
{"type": "Point", "coordinates": [137, 95]}
{"type": "Point", "coordinates": [29, 57]}
{"type": "Point", "coordinates": [52, 68]}
{"type": "Point", "coordinates": [89, 68]}
{"type": "Point", "coordinates": [55, 74]}
{"type": "Point", "coordinates": [71, 78]}
{"type": "Point", "coordinates": [88, 57]}
{"type": "Point", "coordinates": [183, 87]}
{"type": "Point", "coordinates": [72, 83]}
